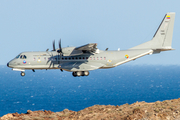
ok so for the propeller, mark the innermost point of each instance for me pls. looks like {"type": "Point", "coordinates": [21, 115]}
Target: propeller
{"type": "Point", "coordinates": [54, 49]}
{"type": "Point", "coordinates": [50, 60]}
{"type": "Point", "coordinates": [60, 53]}
{"type": "Point", "coordinates": [60, 49]}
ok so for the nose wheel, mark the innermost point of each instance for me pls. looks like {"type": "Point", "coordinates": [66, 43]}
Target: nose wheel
{"type": "Point", "coordinates": [80, 73]}
{"type": "Point", "coordinates": [22, 73]}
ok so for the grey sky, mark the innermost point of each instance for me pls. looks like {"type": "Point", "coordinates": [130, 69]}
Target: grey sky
{"type": "Point", "coordinates": [33, 25]}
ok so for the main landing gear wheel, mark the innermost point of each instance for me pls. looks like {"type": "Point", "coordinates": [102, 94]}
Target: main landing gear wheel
{"type": "Point", "coordinates": [22, 74]}
{"type": "Point", "coordinates": [74, 74]}
{"type": "Point", "coordinates": [80, 73]}
{"type": "Point", "coordinates": [86, 73]}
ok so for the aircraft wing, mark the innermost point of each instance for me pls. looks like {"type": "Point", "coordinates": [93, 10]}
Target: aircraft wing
{"type": "Point", "coordinates": [88, 47]}
{"type": "Point", "coordinates": [80, 66]}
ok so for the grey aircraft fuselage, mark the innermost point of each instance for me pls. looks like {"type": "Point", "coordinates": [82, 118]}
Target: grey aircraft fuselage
{"type": "Point", "coordinates": [39, 60]}
{"type": "Point", "coordinates": [81, 60]}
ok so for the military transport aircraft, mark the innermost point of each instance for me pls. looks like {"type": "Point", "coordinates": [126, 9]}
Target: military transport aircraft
{"type": "Point", "coordinates": [80, 60]}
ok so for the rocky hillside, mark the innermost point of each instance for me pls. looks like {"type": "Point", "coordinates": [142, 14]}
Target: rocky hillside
{"type": "Point", "coordinates": [166, 110]}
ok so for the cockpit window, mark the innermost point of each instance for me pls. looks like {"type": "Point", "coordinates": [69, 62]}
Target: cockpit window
{"type": "Point", "coordinates": [17, 56]}
{"type": "Point", "coordinates": [23, 57]}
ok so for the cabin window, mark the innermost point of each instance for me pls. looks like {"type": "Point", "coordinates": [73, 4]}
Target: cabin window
{"type": "Point", "coordinates": [97, 58]}
{"type": "Point", "coordinates": [83, 58]}
{"type": "Point", "coordinates": [72, 58]}
{"type": "Point", "coordinates": [62, 58]}
{"type": "Point", "coordinates": [34, 59]}
{"type": "Point", "coordinates": [23, 57]}
{"type": "Point", "coordinates": [100, 58]}
{"type": "Point", "coordinates": [94, 58]}
{"type": "Point", "coordinates": [76, 58]}
{"type": "Point", "coordinates": [69, 58]}
{"type": "Point", "coordinates": [65, 58]}
{"type": "Point", "coordinates": [79, 57]}
{"type": "Point", "coordinates": [90, 58]}
{"type": "Point", "coordinates": [86, 57]}
{"type": "Point", "coordinates": [45, 58]}
{"type": "Point", "coordinates": [104, 58]}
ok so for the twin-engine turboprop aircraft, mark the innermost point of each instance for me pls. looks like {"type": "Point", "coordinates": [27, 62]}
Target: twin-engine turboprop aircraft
{"type": "Point", "coordinates": [81, 60]}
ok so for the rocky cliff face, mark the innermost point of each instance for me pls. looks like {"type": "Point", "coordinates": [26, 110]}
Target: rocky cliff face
{"type": "Point", "coordinates": [166, 110]}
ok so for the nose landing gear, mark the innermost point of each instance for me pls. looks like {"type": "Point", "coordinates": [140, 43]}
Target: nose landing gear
{"type": "Point", "coordinates": [80, 73]}
{"type": "Point", "coordinates": [22, 73]}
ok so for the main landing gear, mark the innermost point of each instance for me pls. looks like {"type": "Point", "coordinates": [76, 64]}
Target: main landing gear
{"type": "Point", "coordinates": [80, 73]}
{"type": "Point", "coordinates": [22, 73]}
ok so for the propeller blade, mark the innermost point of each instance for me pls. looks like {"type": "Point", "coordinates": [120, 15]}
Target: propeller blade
{"type": "Point", "coordinates": [54, 46]}
{"type": "Point", "coordinates": [60, 49]}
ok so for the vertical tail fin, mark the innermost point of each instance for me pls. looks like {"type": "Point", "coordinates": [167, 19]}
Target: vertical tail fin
{"type": "Point", "coordinates": [162, 39]}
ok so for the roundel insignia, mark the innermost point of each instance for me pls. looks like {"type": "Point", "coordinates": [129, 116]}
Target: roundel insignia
{"type": "Point", "coordinates": [126, 56]}
{"type": "Point", "coordinates": [24, 62]}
